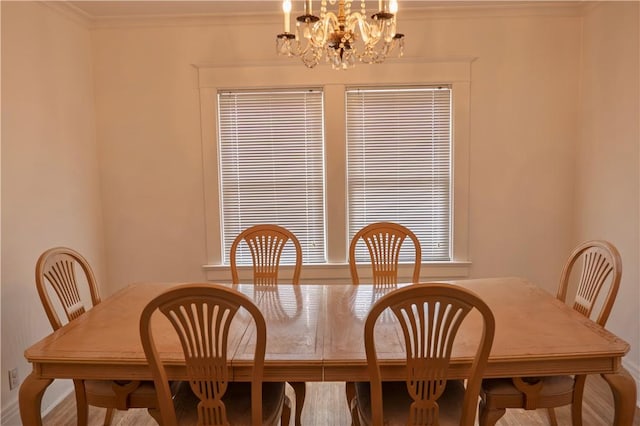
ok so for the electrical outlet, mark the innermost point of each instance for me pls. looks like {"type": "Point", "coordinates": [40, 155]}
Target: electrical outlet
{"type": "Point", "coordinates": [13, 378]}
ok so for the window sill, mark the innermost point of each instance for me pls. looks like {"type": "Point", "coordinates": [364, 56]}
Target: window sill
{"type": "Point", "coordinates": [338, 273]}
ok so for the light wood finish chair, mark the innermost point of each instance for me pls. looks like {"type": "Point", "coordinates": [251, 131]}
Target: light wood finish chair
{"type": "Point", "coordinates": [57, 266]}
{"type": "Point", "coordinates": [266, 243]}
{"type": "Point", "coordinates": [201, 315]}
{"type": "Point", "coordinates": [430, 315]}
{"type": "Point", "coordinates": [384, 241]}
{"type": "Point", "coordinates": [601, 263]}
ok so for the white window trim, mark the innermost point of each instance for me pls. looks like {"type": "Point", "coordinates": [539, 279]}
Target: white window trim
{"type": "Point", "coordinates": [338, 273]}
{"type": "Point", "coordinates": [455, 72]}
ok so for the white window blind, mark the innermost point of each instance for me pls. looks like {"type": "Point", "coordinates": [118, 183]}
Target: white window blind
{"type": "Point", "coordinates": [271, 166]}
{"type": "Point", "coordinates": [399, 164]}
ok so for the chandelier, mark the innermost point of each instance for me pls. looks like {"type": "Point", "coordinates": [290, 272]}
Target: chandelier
{"type": "Point", "coordinates": [341, 38]}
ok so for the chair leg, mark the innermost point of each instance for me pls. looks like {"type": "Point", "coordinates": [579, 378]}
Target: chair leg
{"type": "Point", "coordinates": [489, 416]}
{"type": "Point", "coordinates": [108, 417]}
{"type": "Point", "coordinates": [553, 421]}
{"type": "Point", "coordinates": [82, 409]}
{"type": "Point", "coordinates": [155, 413]}
{"type": "Point", "coordinates": [285, 417]}
{"type": "Point", "coordinates": [576, 406]}
{"type": "Point", "coordinates": [350, 394]}
{"type": "Point", "coordinates": [301, 390]}
{"type": "Point", "coordinates": [353, 409]}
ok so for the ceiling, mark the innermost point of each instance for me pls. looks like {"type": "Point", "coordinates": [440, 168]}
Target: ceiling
{"type": "Point", "coordinates": [152, 8]}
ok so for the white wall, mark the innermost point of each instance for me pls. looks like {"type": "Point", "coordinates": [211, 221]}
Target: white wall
{"type": "Point", "coordinates": [523, 128]}
{"type": "Point", "coordinates": [150, 153]}
{"type": "Point", "coordinates": [608, 178]}
{"type": "Point", "coordinates": [50, 186]}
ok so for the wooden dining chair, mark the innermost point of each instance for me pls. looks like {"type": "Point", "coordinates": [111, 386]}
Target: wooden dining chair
{"type": "Point", "coordinates": [430, 316]}
{"type": "Point", "coordinates": [266, 244]}
{"type": "Point", "coordinates": [57, 267]}
{"type": "Point", "coordinates": [601, 263]}
{"type": "Point", "coordinates": [201, 316]}
{"type": "Point", "coordinates": [384, 241]}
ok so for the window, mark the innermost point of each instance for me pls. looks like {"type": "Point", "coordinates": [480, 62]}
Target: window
{"type": "Point", "coordinates": [271, 166]}
{"type": "Point", "coordinates": [399, 163]}
{"type": "Point", "coordinates": [442, 87]}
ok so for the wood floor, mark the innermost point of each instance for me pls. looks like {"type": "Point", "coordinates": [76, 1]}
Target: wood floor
{"type": "Point", "coordinates": [326, 406]}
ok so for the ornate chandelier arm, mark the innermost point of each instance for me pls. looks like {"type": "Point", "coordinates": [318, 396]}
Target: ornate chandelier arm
{"type": "Point", "coordinates": [341, 37]}
{"type": "Point", "coordinates": [321, 30]}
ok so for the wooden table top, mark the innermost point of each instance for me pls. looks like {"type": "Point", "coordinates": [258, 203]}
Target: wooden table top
{"type": "Point", "coordinates": [315, 333]}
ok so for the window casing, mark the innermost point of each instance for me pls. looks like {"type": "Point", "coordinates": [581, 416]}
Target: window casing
{"type": "Point", "coordinates": [455, 74]}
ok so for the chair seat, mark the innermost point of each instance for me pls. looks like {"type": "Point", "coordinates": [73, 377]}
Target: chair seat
{"type": "Point", "coordinates": [237, 400]}
{"type": "Point", "coordinates": [101, 393]}
{"type": "Point", "coordinates": [396, 402]}
{"type": "Point", "coordinates": [555, 390]}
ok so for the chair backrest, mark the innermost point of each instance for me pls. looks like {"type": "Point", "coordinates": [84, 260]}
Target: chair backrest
{"type": "Point", "coordinates": [600, 260]}
{"type": "Point", "coordinates": [57, 266]}
{"type": "Point", "coordinates": [430, 315]}
{"type": "Point", "coordinates": [384, 241]}
{"type": "Point", "coordinates": [201, 315]}
{"type": "Point", "coordinates": [266, 244]}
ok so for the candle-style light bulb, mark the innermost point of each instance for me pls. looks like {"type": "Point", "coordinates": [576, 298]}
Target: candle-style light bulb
{"type": "Point", "coordinates": [393, 6]}
{"type": "Point", "coordinates": [286, 8]}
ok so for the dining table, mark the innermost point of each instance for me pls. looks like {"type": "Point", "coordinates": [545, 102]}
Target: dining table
{"type": "Point", "coordinates": [315, 332]}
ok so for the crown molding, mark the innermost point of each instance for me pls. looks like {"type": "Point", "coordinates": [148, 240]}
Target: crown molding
{"type": "Point", "coordinates": [184, 21]}
{"type": "Point", "coordinates": [69, 11]}
{"type": "Point", "coordinates": [436, 10]}
{"type": "Point", "coordinates": [482, 9]}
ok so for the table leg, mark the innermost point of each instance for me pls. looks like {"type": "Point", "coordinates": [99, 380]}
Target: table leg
{"type": "Point", "coordinates": [623, 388]}
{"type": "Point", "coordinates": [30, 398]}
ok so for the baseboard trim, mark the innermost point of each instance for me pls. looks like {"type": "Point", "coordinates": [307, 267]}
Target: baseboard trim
{"type": "Point", "coordinates": [55, 403]}
{"type": "Point", "coordinates": [11, 412]}
{"type": "Point", "coordinates": [634, 370]}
